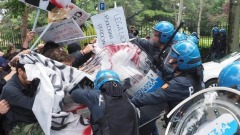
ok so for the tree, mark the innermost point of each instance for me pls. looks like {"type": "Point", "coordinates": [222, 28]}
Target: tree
{"type": "Point", "coordinates": [180, 11]}
{"type": "Point", "coordinates": [233, 27]}
{"type": "Point", "coordinates": [199, 18]}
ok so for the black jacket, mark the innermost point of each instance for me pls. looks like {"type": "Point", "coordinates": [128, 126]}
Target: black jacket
{"type": "Point", "coordinates": [21, 101]}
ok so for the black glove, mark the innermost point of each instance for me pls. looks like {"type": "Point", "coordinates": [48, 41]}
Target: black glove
{"type": "Point", "coordinates": [158, 63]}
{"type": "Point", "coordinates": [86, 82]}
{"type": "Point", "coordinates": [32, 87]}
{"type": "Point", "coordinates": [126, 84]}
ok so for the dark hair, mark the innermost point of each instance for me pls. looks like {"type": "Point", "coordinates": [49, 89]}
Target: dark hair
{"type": "Point", "coordinates": [19, 65]}
{"type": "Point", "coordinates": [59, 55]}
{"type": "Point", "coordinates": [48, 46]}
{"type": "Point", "coordinates": [73, 48]}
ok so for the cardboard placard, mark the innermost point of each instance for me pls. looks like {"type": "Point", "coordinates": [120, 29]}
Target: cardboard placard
{"type": "Point", "coordinates": [66, 29]}
{"type": "Point", "coordinates": [111, 27]}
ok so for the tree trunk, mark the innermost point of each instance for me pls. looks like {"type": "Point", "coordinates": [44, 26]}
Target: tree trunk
{"type": "Point", "coordinates": [175, 13]}
{"type": "Point", "coordinates": [233, 26]}
{"type": "Point", "coordinates": [24, 23]}
{"type": "Point", "coordinates": [180, 12]}
{"type": "Point", "coordinates": [200, 18]}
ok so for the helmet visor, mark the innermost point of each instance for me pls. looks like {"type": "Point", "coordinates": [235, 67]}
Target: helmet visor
{"type": "Point", "coordinates": [171, 58]}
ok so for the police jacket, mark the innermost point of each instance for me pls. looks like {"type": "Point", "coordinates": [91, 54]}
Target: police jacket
{"type": "Point", "coordinates": [177, 89]}
{"type": "Point", "coordinates": [109, 115]}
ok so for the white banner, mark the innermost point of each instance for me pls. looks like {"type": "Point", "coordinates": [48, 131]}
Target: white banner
{"type": "Point", "coordinates": [64, 30]}
{"type": "Point", "coordinates": [79, 15]}
{"type": "Point", "coordinates": [111, 27]}
{"type": "Point", "coordinates": [47, 4]}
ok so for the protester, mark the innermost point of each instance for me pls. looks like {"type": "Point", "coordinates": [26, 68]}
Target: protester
{"type": "Point", "coordinates": [20, 94]}
{"type": "Point", "coordinates": [60, 55]}
{"type": "Point", "coordinates": [133, 32]}
{"type": "Point", "coordinates": [111, 111]}
{"type": "Point", "coordinates": [4, 107]}
{"type": "Point", "coordinates": [80, 56]}
{"type": "Point", "coordinates": [10, 50]}
{"type": "Point", "coordinates": [184, 58]}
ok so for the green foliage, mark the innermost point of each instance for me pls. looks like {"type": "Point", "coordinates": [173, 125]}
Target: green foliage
{"type": "Point", "coordinates": [15, 8]}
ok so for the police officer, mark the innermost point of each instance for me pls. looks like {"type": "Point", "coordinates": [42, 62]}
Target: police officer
{"type": "Point", "coordinates": [161, 34]}
{"type": "Point", "coordinates": [111, 111]}
{"type": "Point", "coordinates": [215, 48]}
{"type": "Point", "coordinates": [223, 41]}
{"type": "Point", "coordinates": [229, 76]}
{"type": "Point", "coordinates": [185, 59]}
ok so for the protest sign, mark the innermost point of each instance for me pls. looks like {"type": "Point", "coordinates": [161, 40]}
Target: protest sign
{"type": "Point", "coordinates": [79, 15]}
{"type": "Point", "coordinates": [66, 29]}
{"type": "Point", "coordinates": [111, 27]}
{"type": "Point", "coordinates": [48, 5]}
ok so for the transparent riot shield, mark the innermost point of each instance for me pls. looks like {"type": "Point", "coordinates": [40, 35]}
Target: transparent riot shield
{"type": "Point", "coordinates": [128, 61]}
{"type": "Point", "coordinates": [212, 111]}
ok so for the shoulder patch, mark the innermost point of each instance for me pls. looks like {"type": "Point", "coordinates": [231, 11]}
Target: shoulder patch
{"type": "Point", "coordinates": [165, 86]}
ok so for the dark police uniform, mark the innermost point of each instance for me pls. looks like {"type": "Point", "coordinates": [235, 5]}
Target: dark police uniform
{"type": "Point", "coordinates": [110, 115]}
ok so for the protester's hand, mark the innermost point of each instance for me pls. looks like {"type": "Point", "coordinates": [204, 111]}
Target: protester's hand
{"type": "Point", "coordinates": [1, 53]}
{"type": "Point", "coordinates": [29, 37]}
{"type": "Point", "coordinates": [40, 46]}
{"type": "Point", "coordinates": [4, 107]}
{"type": "Point", "coordinates": [86, 83]}
{"type": "Point", "coordinates": [88, 49]}
{"type": "Point", "coordinates": [16, 58]}
{"type": "Point", "coordinates": [94, 41]}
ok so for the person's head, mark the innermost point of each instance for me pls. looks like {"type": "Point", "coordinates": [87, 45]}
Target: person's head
{"type": "Point", "coordinates": [21, 72]}
{"type": "Point", "coordinates": [60, 55]}
{"type": "Point", "coordinates": [73, 48]}
{"type": "Point", "coordinates": [162, 32]}
{"type": "Point", "coordinates": [104, 76]}
{"type": "Point", "coordinates": [48, 46]}
{"type": "Point", "coordinates": [193, 39]}
{"type": "Point", "coordinates": [179, 37]}
{"type": "Point", "coordinates": [148, 37]}
{"type": "Point", "coordinates": [194, 34]}
{"type": "Point", "coordinates": [223, 32]}
{"type": "Point", "coordinates": [230, 76]}
{"type": "Point", "coordinates": [10, 49]}
{"type": "Point", "coordinates": [215, 30]}
{"type": "Point", "coordinates": [184, 56]}
{"type": "Point", "coordinates": [132, 28]}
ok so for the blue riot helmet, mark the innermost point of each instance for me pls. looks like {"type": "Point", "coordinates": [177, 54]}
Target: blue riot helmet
{"type": "Point", "coordinates": [105, 76]}
{"type": "Point", "coordinates": [185, 54]}
{"type": "Point", "coordinates": [223, 32]}
{"type": "Point", "coordinates": [230, 76]}
{"type": "Point", "coordinates": [194, 34]}
{"type": "Point", "coordinates": [193, 39]}
{"type": "Point", "coordinates": [165, 29]}
{"type": "Point", "coordinates": [179, 37]}
{"type": "Point", "coordinates": [215, 31]}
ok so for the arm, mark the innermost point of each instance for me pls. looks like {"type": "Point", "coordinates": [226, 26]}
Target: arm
{"type": "Point", "coordinates": [14, 96]}
{"type": "Point", "coordinates": [29, 37]}
{"type": "Point", "coordinates": [153, 98]}
{"type": "Point", "coordinates": [82, 96]}
{"type": "Point", "coordinates": [176, 90]}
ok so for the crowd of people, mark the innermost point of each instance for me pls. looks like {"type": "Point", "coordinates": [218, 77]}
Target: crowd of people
{"type": "Point", "coordinates": [113, 110]}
